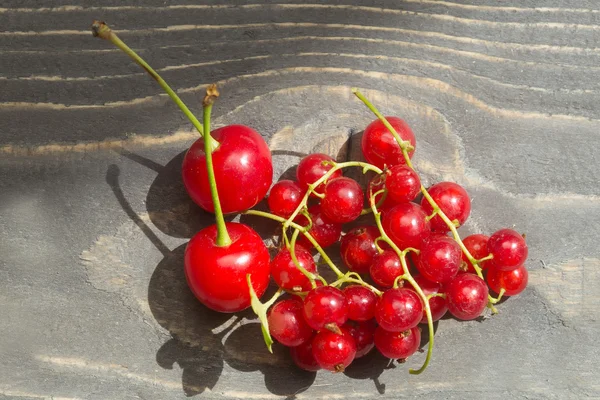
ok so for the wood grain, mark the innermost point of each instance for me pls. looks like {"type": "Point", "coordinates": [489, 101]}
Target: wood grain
{"type": "Point", "coordinates": [503, 98]}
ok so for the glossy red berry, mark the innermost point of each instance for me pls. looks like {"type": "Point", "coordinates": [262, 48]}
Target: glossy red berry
{"type": "Point", "coordinates": [363, 335]}
{"type": "Point", "coordinates": [303, 356]}
{"type": "Point", "coordinates": [452, 199]}
{"type": "Point", "coordinates": [466, 296]}
{"type": "Point", "coordinates": [343, 201]}
{"type": "Point", "coordinates": [379, 145]}
{"type": "Point", "coordinates": [513, 281]}
{"type": "Point", "coordinates": [440, 258]}
{"type": "Point", "coordinates": [312, 168]}
{"type": "Point", "coordinates": [386, 268]}
{"type": "Point", "coordinates": [361, 302]}
{"type": "Point", "coordinates": [358, 248]}
{"type": "Point", "coordinates": [508, 248]}
{"type": "Point", "coordinates": [243, 169]}
{"type": "Point", "coordinates": [287, 275]}
{"type": "Point", "coordinates": [332, 351]}
{"type": "Point", "coordinates": [217, 275]}
{"type": "Point", "coordinates": [437, 304]}
{"type": "Point", "coordinates": [399, 309]}
{"type": "Point", "coordinates": [397, 345]}
{"type": "Point", "coordinates": [286, 323]}
{"type": "Point", "coordinates": [322, 230]}
{"type": "Point", "coordinates": [406, 224]}
{"type": "Point", "coordinates": [285, 197]}
{"type": "Point", "coordinates": [477, 246]}
{"type": "Point", "coordinates": [402, 183]}
{"type": "Point", "coordinates": [325, 307]}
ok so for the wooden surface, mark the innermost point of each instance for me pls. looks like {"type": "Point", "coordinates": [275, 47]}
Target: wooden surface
{"type": "Point", "coordinates": [503, 98]}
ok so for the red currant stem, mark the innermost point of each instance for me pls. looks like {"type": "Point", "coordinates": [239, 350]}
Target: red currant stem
{"type": "Point", "coordinates": [336, 166]}
{"type": "Point", "coordinates": [398, 280]}
{"type": "Point", "coordinates": [261, 309]}
{"type": "Point", "coordinates": [379, 249]}
{"type": "Point", "coordinates": [292, 249]}
{"type": "Point", "coordinates": [497, 299]}
{"type": "Point", "coordinates": [488, 257]}
{"type": "Point", "coordinates": [286, 241]}
{"type": "Point", "coordinates": [442, 295]}
{"type": "Point", "coordinates": [436, 209]}
{"type": "Point", "coordinates": [347, 278]}
{"type": "Point", "coordinates": [223, 238]}
{"type": "Point", "coordinates": [430, 216]}
{"type": "Point", "coordinates": [100, 29]}
{"type": "Point", "coordinates": [404, 144]}
{"type": "Point", "coordinates": [407, 276]}
{"type": "Point", "coordinates": [306, 234]}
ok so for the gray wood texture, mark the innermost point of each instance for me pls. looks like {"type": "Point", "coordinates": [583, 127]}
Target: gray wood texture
{"type": "Point", "coordinates": [503, 98]}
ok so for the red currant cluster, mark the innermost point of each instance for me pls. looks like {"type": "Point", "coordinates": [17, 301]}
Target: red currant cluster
{"type": "Point", "coordinates": [408, 267]}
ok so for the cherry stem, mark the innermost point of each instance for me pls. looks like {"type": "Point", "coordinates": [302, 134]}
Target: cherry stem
{"type": "Point", "coordinates": [223, 238]}
{"type": "Point", "coordinates": [261, 309]}
{"type": "Point", "coordinates": [100, 29]}
{"type": "Point", "coordinates": [436, 209]}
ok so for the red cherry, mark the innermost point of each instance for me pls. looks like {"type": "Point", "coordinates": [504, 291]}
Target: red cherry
{"type": "Point", "coordinates": [403, 183]}
{"type": "Point", "coordinates": [452, 199]}
{"type": "Point", "coordinates": [284, 198]}
{"type": "Point", "coordinates": [513, 282]}
{"type": "Point", "coordinates": [287, 275]}
{"type": "Point", "coordinates": [287, 324]}
{"type": "Point", "coordinates": [379, 146]}
{"type": "Point", "coordinates": [303, 356]}
{"type": "Point", "coordinates": [508, 248]}
{"type": "Point", "coordinates": [477, 246]}
{"type": "Point", "coordinates": [311, 169]}
{"type": "Point", "coordinates": [363, 335]}
{"type": "Point", "coordinates": [361, 303]}
{"type": "Point", "coordinates": [325, 305]}
{"type": "Point", "coordinates": [466, 296]}
{"type": "Point", "coordinates": [332, 351]}
{"type": "Point", "coordinates": [386, 268]}
{"type": "Point", "coordinates": [399, 309]}
{"type": "Point", "coordinates": [397, 345]}
{"type": "Point", "coordinates": [343, 201]}
{"type": "Point", "coordinates": [322, 230]}
{"type": "Point", "coordinates": [358, 248]}
{"type": "Point", "coordinates": [217, 275]}
{"type": "Point", "coordinates": [406, 225]}
{"type": "Point", "coordinates": [375, 185]}
{"type": "Point", "coordinates": [440, 258]}
{"type": "Point", "coordinates": [437, 304]}
{"type": "Point", "coordinates": [243, 169]}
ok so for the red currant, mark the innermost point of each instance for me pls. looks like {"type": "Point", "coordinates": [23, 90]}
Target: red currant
{"type": "Point", "coordinates": [358, 248]}
{"type": "Point", "coordinates": [332, 351]}
{"type": "Point", "coordinates": [477, 246]}
{"type": "Point", "coordinates": [379, 145]}
{"type": "Point", "coordinates": [397, 345]}
{"type": "Point", "coordinates": [406, 224]}
{"type": "Point", "coordinates": [508, 248]}
{"type": "Point", "coordinates": [386, 268]}
{"type": "Point", "coordinates": [286, 323]}
{"type": "Point", "coordinates": [361, 303]}
{"type": "Point", "coordinates": [513, 282]}
{"type": "Point", "coordinates": [287, 275]}
{"type": "Point", "coordinates": [303, 356]}
{"type": "Point", "coordinates": [322, 230]}
{"type": "Point", "coordinates": [362, 333]}
{"type": "Point", "coordinates": [399, 309]}
{"type": "Point", "coordinates": [452, 199]}
{"type": "Point", "coordinates": [466, 296]}
{"type": "Point", "coordinates": [312, 168]}
{"type": "Point", "coordinates": [284, 198]}
{"type": "Point", "coordinates": [440, 258]}
{"type": "Point", "coordinates": [437, 304]}
{"type": "Point", "coordinates": [343, 201]}
{"type": "Point", "coordinates": [402, 183]}
{"type": "Point", "coordinates": [325, 307]}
